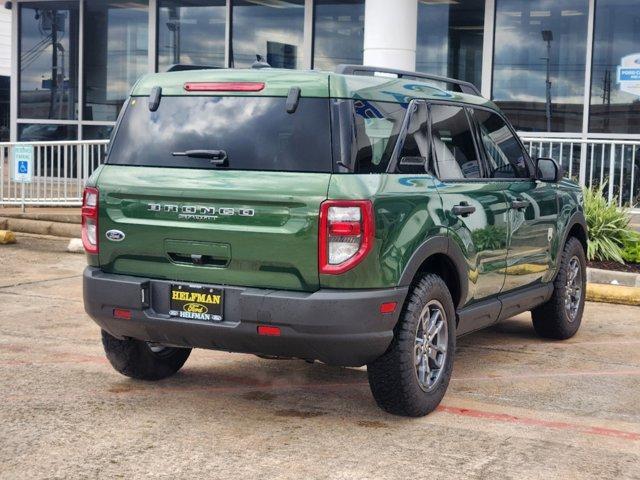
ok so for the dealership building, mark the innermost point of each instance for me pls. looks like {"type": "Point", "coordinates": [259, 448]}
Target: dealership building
{"type": "Point", "coordinates": [565, 69]}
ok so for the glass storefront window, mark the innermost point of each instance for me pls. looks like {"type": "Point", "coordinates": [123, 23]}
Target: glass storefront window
{"type": "Point", "coordinates": [191, 32]}
{"type": "Point", "coordinates": [615, 81]}
{"type": "Point", "coordinates": [39, 132]}
{"type": "Point", "coordinates": [539, 63]}
{"type": "Point", "coordinates": [338, 33]}
{"type": "Point", "coordinates": [96, 132]}
{"type": "Point", "coordinates": [450, 38]}
{"type": "Point", "coordinates": [48, 52]}
{"type": "Point", "coordinates": [116, 54]}
{"type": "Point", "coordinates": [270, 28]}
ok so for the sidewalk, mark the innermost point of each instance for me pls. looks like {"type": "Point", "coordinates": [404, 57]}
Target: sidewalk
{"type": "Point", "coordinates": [48, 214]}
{"type": "Point", "coordinates": [58, 221]}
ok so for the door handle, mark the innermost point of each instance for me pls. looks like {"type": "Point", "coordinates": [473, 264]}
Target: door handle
{"type": "Point", "coordinates": [520, 204]}
{"type": "Point", "coordinates": [463, 209]}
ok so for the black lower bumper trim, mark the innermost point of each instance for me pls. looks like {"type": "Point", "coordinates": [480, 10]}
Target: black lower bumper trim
{"type": "Point", "coordinates": [338, 327]}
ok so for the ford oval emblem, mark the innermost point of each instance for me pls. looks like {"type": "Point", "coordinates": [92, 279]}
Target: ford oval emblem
{"type": "Point", "coordinates": [115, 235]}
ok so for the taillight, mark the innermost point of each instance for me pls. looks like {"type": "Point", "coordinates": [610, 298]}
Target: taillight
{"type": "Point", "coordinates": [224, 86]}
{"type": "Point", "coordinates": [90, 220]}
{"type": "Point", "coordinates": [346, 234]}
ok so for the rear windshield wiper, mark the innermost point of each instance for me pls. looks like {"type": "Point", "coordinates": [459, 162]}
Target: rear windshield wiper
{"type": "Point", "coordinates": [217, 157]}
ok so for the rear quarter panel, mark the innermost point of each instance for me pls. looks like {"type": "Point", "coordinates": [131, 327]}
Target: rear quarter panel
{"type": "Point", "coordinates": [407, 212]}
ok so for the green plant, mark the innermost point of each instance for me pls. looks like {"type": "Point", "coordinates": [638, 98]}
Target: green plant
{"type": "Point", "coordinates": [631, 251]}
{"type": "Point", "coordinates": [608, 226]}
{"type": "Point", "coordinates": [489, 238]}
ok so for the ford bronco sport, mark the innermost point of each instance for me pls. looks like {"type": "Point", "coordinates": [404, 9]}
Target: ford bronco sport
{"type": "Point", "coordinates": [365, 217]}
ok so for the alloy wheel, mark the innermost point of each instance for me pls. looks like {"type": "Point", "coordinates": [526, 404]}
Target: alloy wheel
{"type": "Point", "coordinates": [432, 339]}
{"type": "Point", "coordinates": [573, 289]}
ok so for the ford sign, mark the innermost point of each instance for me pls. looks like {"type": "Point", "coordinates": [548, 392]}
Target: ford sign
{"type": "Point", "coordinates": [115, 235]}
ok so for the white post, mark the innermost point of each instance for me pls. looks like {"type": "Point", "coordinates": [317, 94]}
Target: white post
{"type": "Point", "coordinates": [390, 33]}
{"type": "Point", "coordinates": [13, 106]}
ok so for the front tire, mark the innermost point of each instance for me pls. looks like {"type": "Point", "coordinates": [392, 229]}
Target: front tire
{"type": "Point", "coordinates": [143, 360]}
{"type": "Point", "coordinates": [411, 378]}
{"type": "Point", "coordinates": [560, 317]}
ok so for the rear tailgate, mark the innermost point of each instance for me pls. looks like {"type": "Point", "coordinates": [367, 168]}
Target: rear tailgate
{"type": "Point", "coordinates": [257, 229]}
{"type": "Point", "coordinates": [218, 187]}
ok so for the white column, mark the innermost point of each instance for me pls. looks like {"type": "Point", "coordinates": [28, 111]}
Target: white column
{"type": "Point", "coordinates": [390, 30]}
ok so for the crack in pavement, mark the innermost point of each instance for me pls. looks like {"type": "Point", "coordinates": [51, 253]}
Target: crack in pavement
{"type": "Point", "coordinates": [35, 282]}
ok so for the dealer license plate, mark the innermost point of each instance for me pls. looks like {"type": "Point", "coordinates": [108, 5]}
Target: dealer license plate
{"type": "Point", "coordinates": [196, 303]}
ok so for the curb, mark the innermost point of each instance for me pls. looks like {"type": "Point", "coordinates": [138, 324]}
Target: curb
{"type": "Point", "coordinates": [621, 295]}
{"type": "Point", "coordinates": [612, 277]}
{"type": "Point", "coordinates": [68, 230]}
{"type": "Point", "coordinates": [45, 217]}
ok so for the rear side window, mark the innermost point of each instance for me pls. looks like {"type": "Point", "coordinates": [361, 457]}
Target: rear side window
{"type": "Point", "coordinates": [256, 133]}
{"type": "Point", "coordinates": [366, 132]}
{"type": "Point", "coordinates": [505, 155]}
{"type": "Point", "coordinates": [453, 145]}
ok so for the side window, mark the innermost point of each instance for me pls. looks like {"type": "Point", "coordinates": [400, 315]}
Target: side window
{"type": "Point", "coordinates": [415, 147]}
{"type": "Point", "coordinates": [505, 156]}
{"type": "Point", "coordinates": [454, 149]}
{"type": "Point", "coordinates": [377, 125]}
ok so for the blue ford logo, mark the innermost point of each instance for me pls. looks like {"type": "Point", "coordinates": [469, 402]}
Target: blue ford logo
{"type": "Point", "coordinates": [115, 235]}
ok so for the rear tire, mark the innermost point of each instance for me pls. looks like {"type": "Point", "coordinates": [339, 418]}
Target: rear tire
{"type": "Point", "coordinates": [560, 317]}
{"type": "Point", "coordinates": [411, 378]}
{"type": "Point", "coordinates": [141, 360]}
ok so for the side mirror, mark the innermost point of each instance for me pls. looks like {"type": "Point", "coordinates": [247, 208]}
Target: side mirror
{"type": "Point", "coordinates": [548, 170]}
{"type": "Point", "coordinates": [413, 164]}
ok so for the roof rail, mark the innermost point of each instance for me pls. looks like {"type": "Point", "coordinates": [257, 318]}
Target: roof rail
{"type": "Point", "coordinates": [459, 85]}
{"type": "Point", "coordinates": [181, 67]}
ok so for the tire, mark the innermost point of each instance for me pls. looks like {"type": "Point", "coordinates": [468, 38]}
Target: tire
{"type": "Point", "coordinates": [140, 360]}
{"type": "Point", "coordinates": [560, 317]}
{"type": "Point", "coordinates": [394, 377]}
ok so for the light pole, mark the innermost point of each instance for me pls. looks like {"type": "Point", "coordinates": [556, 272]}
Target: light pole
{"type": "Point", "coordinates": [547, 36]}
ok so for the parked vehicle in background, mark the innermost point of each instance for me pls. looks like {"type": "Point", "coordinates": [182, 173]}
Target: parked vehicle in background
{"type": "Point", "coordinates": [350, 218]}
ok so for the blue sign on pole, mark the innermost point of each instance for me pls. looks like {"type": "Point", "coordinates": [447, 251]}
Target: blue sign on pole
{"type": "Point", "coordinates": [23, 163]}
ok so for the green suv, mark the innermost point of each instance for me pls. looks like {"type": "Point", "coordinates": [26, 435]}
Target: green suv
{"type": "Point", "coordinates": [366, 217]}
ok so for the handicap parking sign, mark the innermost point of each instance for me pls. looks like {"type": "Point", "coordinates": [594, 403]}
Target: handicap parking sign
{"type": "Point", "coordinates": [23, 163]}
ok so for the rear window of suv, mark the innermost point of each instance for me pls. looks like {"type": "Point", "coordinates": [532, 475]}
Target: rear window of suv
{"type": "Point", "coordinates": [256, 133]}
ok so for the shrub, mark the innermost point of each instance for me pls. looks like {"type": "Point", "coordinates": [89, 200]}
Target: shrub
{"type": "Point", "coordinates": [631, 252]}
{"type": "Point", "coordinates": [608, 227]}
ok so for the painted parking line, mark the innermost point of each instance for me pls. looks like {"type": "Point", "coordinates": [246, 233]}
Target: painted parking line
{"type": "Point", "coordinates": [576, 373]}
{"type": "Point", "coordinates": [536, 422]}
{"type": "Point", "coordinates": [564, 344]}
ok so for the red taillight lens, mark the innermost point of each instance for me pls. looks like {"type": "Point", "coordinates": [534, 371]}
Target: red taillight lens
{"type": "Point", "coordinates": [346, 234]}
{"type": "Point", "coordinates": [268, 331]}
{"type": "Point", "coordinates": [388, 307]}
{"type": "Point", "coordinates": [122, 313]}
{"type": "Point", "coordinates": [90, 220]}
{"type": "Point", "coordinates": [224, 86]}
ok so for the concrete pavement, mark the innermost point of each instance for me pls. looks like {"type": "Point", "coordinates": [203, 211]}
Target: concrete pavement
{"type": "Point", "coordinates": [517, 407]}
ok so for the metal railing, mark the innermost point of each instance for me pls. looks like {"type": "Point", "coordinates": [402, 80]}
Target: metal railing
{"type": "Point", "coordinates": [593, 161]}
{"type": "Point", "coordinates": [60, 170]}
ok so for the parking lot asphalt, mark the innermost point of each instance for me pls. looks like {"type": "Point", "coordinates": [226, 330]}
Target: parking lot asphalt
{"type": "Point", "coordinates": [517, 407]}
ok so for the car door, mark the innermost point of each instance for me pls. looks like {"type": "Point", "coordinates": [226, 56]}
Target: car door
{"type": "Point", "coordinates": [533, 204]}
{"type": "Point", "coordinates": [475, 210]}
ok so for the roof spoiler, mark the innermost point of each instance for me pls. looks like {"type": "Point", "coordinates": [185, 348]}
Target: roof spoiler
{"type": "Point", "coordinates": [459, 85]}
{"type": "Point", "coordinates": [180, 67]}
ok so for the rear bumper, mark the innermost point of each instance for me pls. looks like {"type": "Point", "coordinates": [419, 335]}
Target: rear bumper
{"type": "Point", "coordinates": [338, 327]}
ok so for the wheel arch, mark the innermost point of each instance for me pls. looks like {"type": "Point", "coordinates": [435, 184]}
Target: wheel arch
{"type": "Point", "coordinates": [442, 256]}
{"type": "Point", "coordinates": [576, 227]}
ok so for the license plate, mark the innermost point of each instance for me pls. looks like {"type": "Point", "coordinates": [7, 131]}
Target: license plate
{"type": "Point", "coordinates": [196, 303]}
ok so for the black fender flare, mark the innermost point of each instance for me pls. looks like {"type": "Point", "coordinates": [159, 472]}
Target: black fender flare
{"type": "Point", "coordinates": [577, 218]}
{"type": "Point", "coordinates": [444, 245]}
